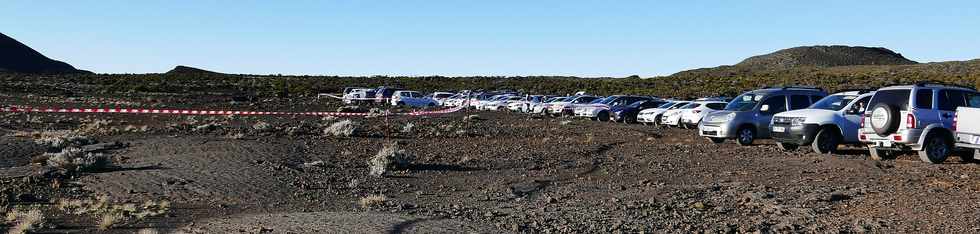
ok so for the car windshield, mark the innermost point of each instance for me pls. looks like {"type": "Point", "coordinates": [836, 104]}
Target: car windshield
{"type": "Point", "coordinates": [637, 104]}
{"type": "Point", "coordinates": [443, 95]}
{"type": "Point", "coordinates": [608, 100]}
{"type": "Point", "coordinates": [581, 100]}
{"type": "Point", "coordinates": [667, 105]}
{"type": "Point", "coordinates": [678, 105]}
{"type": "Point", "coordinates": [745, 102]}
{"type": "Point", "coordinates": [689, 106]}
{"type": "Point", "coordinates": [833, 102]}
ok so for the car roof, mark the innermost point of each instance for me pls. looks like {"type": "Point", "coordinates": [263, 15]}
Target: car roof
{"type": "Point", "coordinates": [940, 86]}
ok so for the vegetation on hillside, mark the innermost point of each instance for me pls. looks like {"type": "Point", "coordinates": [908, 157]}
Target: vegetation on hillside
{"type": "Point", "coordinates": [696, 83]}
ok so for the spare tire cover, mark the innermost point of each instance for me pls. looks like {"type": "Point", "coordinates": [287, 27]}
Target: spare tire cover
{"type": "Point", "coordinates": [884, 119]}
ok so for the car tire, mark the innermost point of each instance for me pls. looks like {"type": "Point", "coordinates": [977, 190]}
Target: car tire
{"type": "Point", "coordinates": [970, 156]}
{"type": "Point", "coordinates": [716, 140]}
{"type": "Point", "coordinates": [603, 116]}
{"type": "Point", "coordinates": [878, 154]}
{"type": "Point", "coordinates": [629, 119]}
{"type": "Point", "coordinates": [787, 146]}
{"type": "Point", "coordinates": [936, 149]}
{"type": "Point", "coordinates": [826, 141]}
{"type": "Point", "coordinates": [745, 136]}
{"type": "Point", "coordinates": [400, 104]}
{"type": "Point", "coordinates": [656, 120]}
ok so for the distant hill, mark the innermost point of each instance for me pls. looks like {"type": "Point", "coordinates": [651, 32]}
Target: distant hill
{"type": "Point", "coordinates": [826, 56]}
{"type": "Point", "coordinates": [185, 70]}
{"type": "Point", "coordinates": [17, 57]}
{"type": "Point", "coordinates": [806, 57]}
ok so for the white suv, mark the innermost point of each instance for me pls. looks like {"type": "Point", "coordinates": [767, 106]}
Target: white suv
{"type": "Point", "coordinates": [916, 117]}
{"type": "Point", "coordinates": [832, 121]}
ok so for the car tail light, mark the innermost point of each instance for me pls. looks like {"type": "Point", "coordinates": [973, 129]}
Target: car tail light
{"type": "Point", "coordinates": [897, 137]}
{"type": "Point", "coordinates": [862, 120]}
{"type": "Point", "coordinates": [956, 118]}
{"type": "Point", "coordinates": [863, 137]}
{"type": "Point", "coordinates": [910, 121]}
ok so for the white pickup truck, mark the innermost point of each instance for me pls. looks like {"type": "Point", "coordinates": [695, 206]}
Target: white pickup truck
{"type": "Point", "coordinates": [967, 127]}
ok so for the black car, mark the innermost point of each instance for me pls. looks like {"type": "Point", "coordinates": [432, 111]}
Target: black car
{"type": "Point", "coordinates": [627, 113]}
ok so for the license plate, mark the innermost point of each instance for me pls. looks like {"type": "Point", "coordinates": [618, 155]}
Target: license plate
{"type": "Point", "coordinates": [710, 129]}
{"type": "Point", "coordinates": [778, 129]}
{"type": "Point", "coordinates": [885, 143]}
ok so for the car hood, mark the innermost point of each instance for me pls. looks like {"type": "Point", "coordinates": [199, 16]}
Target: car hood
{"type": "Point", "coordinates": [653, 110]}
{"type": "Point", "coordinates": [809, 113]}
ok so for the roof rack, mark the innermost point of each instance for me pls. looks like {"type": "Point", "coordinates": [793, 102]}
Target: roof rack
{"type": "Point", "coordinates": [937, 83]}
{"type": "Point", "coordinates": [794, 87]}
{"type": "Point", "coordinates": [859, 91]}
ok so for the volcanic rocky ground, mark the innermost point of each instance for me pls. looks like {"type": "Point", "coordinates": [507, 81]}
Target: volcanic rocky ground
{"type": "Point", "coordinates": [482, 172]}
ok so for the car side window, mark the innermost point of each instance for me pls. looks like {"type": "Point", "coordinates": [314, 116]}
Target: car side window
{"type": "Point", "coordinates": [973, 99]}
{"type": "Point", "coordinates": [815, 98]}
{"type": "Point", "coordinates": [797, 102]}
{"type": "Point", "coordinates": [949, 100]}
{"type": "Point", "coordinates": [776, 104]}
{"type": "Point", "coordinates": [923, 99]}
{"type": "Point", "coordinates": [860, 105]}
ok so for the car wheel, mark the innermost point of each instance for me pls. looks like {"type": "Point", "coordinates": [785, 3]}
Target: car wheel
{"type": "Point", "coordinates": [400, 104]}
{"type": "Point", "coordinates": [629, 119]}
{"type": "Point", "coordinates": [826, 141]}
{"type": "Point", "coordinates": [745, 136]}
{"type": "Point", "coordinates": [787, 146]}
{"type": "Point", "coordinates": [878, 154]}
{"type": "Point", "coordinates": [970, 156]}
{"type": "Point", "coordinates": [656, 120]}
{"type": "Point", "coordinates": [936, 149]}
{"type": "Point", "coordinates": [603, 116]}
{"type": "Point", "coordinates": [716, 140]}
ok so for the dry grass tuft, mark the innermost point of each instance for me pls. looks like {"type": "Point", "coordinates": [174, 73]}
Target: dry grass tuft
{"type": "Point", "coordinates": [390, 157]}
{"type": "Point", "coordinates": [374, 200]}
{"type": "Point", "coordinates": [109, 219]}
{"type": "Point", "coordinates": [471, 118]}
{"type": "Point", "coordinates": [74, 159]}
{"type": "Point", "coordinates": [147, 231]}
{"type": "Point", "coordinates": [408, 128]}
{"type": "Point", "coordinates": [262, 126]}
{"type": "Point", "coordinates": [23, 221]}
{"type": "Point", "coordinates": [345, 128]}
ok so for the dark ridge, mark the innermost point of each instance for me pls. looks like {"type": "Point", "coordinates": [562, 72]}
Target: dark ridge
{"type": "Point", "coordinates": [17, 57]}
{"type": "Point", "coordinates": [185, 70]}
{"type": "Point", "coordinates": [825, 56]}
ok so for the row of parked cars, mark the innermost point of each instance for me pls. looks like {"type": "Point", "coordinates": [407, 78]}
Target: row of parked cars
{"type": "Point", "coordinates": [922, 117]}
{"type": "Point", "coordinates": [934, 120]}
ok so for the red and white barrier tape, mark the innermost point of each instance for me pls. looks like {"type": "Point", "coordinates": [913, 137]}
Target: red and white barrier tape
{"type": "Point", "coordinates": [209, 112]}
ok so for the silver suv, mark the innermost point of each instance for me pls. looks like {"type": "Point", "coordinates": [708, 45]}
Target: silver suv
{"type": "Point", "coordinates": [748, 116]}
{"type": "Point", "coordinates": [916, 117]}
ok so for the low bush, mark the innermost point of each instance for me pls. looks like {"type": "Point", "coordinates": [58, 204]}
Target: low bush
{"type": "Point", "coordinates": [390, 157]}
{"type": "Point", "coordinates": [75, 159]}
{"type": "Point", "coordinates": [345, 128]}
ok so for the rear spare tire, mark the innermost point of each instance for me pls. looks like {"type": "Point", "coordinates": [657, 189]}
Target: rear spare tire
{"type": "Point", "coordinates": [884, 119]}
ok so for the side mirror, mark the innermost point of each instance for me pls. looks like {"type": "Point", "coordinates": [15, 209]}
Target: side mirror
{"type": "Point", "coordinates": [764, 108]}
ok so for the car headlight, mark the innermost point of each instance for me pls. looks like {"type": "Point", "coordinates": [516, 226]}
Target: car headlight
{"type": "Point", "coordinates": [798, 121]}
{"type": "Point", "coordinates": [723, 118]}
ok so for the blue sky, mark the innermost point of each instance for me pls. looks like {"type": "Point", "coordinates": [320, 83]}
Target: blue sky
{"type": "Point", "coordinates": [441, 37]}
